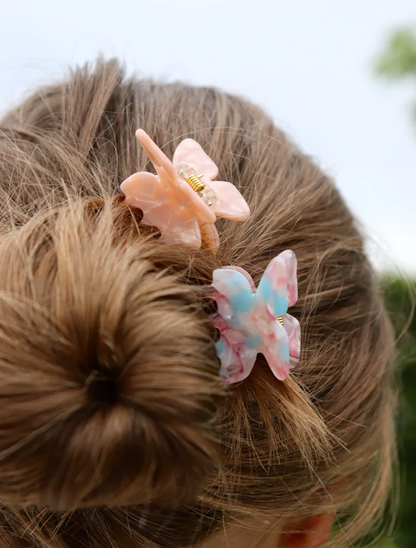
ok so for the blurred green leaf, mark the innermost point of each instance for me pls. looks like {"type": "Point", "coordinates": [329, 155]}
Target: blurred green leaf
{"type": "Point", "coordinates": [398, 60]}
{"type": "Point", "coordinates": [399, 57]}
{"type": "Point", "coordinates": [388, 544]}
{"type": "Point", "coordinates": [400, 298]}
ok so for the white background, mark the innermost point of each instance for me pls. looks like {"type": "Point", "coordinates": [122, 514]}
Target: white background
{"type": "Point", "coordinates": [307, 62]}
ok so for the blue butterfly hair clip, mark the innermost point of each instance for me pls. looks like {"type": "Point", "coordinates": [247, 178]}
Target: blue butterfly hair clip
{"type": "Point", "coordinates": [254, 321]}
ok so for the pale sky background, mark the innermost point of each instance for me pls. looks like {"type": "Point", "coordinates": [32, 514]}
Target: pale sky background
{"type": "Point", "coordinates": [307, 62]}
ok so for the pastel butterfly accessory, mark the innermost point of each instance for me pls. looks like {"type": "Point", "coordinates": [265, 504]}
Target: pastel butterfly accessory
{"type": "Point", "coordinates": [254, 321]}
{"type": "Point", "coordinates": [183, 200]}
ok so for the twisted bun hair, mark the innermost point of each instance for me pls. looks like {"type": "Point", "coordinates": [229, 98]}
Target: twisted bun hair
{"type": "Point", "coordinates": [108, 373]}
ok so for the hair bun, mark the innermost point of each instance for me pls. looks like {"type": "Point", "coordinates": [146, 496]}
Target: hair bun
{"type": "Point", "coordinates": [108, 372]}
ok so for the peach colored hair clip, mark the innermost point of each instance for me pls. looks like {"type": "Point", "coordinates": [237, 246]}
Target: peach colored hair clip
{"type": "Point", "coordinates": [180, 203]}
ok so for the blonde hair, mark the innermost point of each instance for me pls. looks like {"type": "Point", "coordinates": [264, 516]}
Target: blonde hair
{"type": "Point", "coordinates": [115, 428]}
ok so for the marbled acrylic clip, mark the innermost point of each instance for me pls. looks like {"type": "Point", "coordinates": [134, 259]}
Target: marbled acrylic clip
{"type": "Point", "coordinates": [254, 321]}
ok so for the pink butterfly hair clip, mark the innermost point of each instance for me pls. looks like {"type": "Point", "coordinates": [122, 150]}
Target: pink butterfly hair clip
{"type": "Point", "coordinates": [183, 200]}
{"type": "Point", "coordinates": [254, 321]}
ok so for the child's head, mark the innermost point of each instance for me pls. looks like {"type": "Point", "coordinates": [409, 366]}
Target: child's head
{"type": "Point", "coordinates": [116, 429]}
